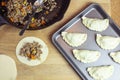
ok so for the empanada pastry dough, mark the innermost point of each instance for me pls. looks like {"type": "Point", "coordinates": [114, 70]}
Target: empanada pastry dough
{"type": "Point", "coordinates": [115, 56]}
{"type": "Point", "coordinates": [101, 72]}
{"type": "Point", "coordinates": [8, 70]}
{"type": "Point", "coordinates": [74, 39]}
{"type": "Point", "coordinates": [34, 62]}
{"type": "Point", "coordinates": [95, 24]}
{"type": "Point", "coordinates": [86, 56]}
{"type": "Point", "coordinates": [107, 42]}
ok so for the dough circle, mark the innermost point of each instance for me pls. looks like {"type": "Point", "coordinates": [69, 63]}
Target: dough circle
{"type": "Point", "coordinates": [8, 70]}
{"type": "Point", "coordinates": [35, 62]}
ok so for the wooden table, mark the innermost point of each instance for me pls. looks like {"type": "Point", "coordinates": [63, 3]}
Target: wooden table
{"type": "Point", "coordinates": [115, 9]}
{"type": "Point", "coordinates": [55, 67]}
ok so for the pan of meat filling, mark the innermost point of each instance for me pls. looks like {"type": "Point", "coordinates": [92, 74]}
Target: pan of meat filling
{"type": "Point", "coordinates": [17, 13]}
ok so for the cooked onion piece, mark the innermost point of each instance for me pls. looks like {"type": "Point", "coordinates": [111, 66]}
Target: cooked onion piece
{"type": "Point", "coordinates": [95, 24]}
{"type": "Point", "coordinates": [107, 42]}
{"type": "Point", "coordinates": [74, 39]}
{"type": "Point", "coordinates": [86, 56]}
{"type": "Point", "coordinates": [8, 70]}
{"type": "Point", "coordinates": [31, 51]}
{"type": "Point", "coordinates": [101, 72]}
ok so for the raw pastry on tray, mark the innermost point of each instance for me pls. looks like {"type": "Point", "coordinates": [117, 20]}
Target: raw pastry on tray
{"type": "Point", "coordinates": [74, 39]}
{"type": "Point", "coordinates": [95, 24]}
{"type": "Point", "coordinates": [115, 56]}
{"type": "Point", "coordinates": [107, 42]}
{"type": "Point", "coordinates": [86, 56]}
{"type": "Point", "coordinates": [101, 72]}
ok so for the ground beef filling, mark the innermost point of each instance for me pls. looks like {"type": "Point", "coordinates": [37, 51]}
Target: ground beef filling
{"type": "Point", "coordinates": [20, 10]}
{"type": "Point", "coordinates": [31, 50]}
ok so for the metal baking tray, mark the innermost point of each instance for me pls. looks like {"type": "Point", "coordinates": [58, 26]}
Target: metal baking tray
{"type": "Point", "coordinates": [75, 25]}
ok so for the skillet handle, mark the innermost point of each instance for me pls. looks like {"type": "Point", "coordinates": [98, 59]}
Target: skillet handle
{"type": "Point", "coordinates": [2, 21]}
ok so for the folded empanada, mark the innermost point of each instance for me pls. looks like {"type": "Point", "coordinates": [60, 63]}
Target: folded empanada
{"type": "Point", "coordinates": [74, 39]}
{"type": "Point", "coordinates": [107, 42]}
{"type": "Point", "coordinates": [95, 24]}
{"type": "Point", "coordinates": [115, 56]}
{"type": "Point", "coordinates": [86, 56]}
{"type": "Point", "coordinates": [101, 72]}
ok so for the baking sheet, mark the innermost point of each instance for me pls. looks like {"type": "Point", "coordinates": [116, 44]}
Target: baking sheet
{"type": "Point", "coordinates": [75, 25]}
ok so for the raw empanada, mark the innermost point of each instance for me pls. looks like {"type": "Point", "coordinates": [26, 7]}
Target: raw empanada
{"type": "Point", "coordinates": [115, 56]}
{"type": "Point", "coordinates": [95, 24]}
{"type": "Point", "coordinates": [86, 56]}
{"type": "Point", "coordinates": [107, 42]}
{"type": "Point", "coordinates": [74, 39]}
{"type": "Point", "coordinates": [101, 72]}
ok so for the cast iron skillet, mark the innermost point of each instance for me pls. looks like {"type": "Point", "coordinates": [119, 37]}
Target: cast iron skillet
{"type": "Point", "coordinates": [5, 20]}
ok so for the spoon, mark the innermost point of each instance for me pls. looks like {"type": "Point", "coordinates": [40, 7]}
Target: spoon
{"type": "Point", "coordinates": [37, 3]}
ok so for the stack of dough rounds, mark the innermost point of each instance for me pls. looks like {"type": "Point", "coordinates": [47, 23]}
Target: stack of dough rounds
{"type": "Point", "coordinates": [35, 62]}
{"type": "Point", "coordinates": [8, 69]}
